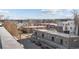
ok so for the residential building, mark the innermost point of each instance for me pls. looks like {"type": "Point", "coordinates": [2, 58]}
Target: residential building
{"type": "Point", "coordinates": [68, 26]}
{"type": "Point", "coordinates": [51, 39]}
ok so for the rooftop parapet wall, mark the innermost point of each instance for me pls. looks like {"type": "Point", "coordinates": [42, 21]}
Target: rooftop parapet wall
{"type": "Point", "coordinates": [8, 41]}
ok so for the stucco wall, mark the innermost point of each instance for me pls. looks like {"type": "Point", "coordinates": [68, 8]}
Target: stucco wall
{"type": "Point", "coordinates": [67, 42]}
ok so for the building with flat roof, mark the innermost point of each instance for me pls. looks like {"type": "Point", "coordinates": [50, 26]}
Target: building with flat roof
{"type": "Point", "coordinates": [30, 29]}
{"type": "Point", "coordinates": [68, 26]}
{"type": "Point", "coordinates": [51, 39]}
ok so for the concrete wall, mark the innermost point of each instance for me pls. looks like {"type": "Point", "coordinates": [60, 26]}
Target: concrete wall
{"type": "Point", "coordinates": [67, 42]}
{"type": "Point", "coordinates": [8, 41]}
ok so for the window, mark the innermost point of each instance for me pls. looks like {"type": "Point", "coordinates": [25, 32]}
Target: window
{"type": "Point", "coordinates": [70, 27]}
{"type": "Point", "coordinates": [52, 39]}
{"type": "Point", "coordinates": [61, 41]}
{"type": "Point", "coordinates": [42, 35]}
{"type": "Point", "coordinates": [35, 33]}
{"type": "Point", "coordinates": [65, 42]}
{"type": "Point", "coordinates": [68, 24]}
{"type": "Point", "coordinates": [67, 32]}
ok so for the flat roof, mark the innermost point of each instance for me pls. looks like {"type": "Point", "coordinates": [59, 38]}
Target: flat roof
{"type": "Point", "coordinates": [57, 33]}
{"type": "Point", "coordinates": [34, 26]}
{"type": "Point", "coordinates": [49, 24]}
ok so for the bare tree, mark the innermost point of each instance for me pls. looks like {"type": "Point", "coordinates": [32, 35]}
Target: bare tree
{"type": "Point", "coordinates": [76, 20]}
{"type": "Point", "coordinates": [75, 16]}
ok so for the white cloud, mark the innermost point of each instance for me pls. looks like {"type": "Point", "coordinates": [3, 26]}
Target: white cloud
{"type": "Point", "coordinates": [4, 14]}
{"type": "Point", "coordinates": [63, 13]}
{"type": "Point", "coordinates": [52, 11]}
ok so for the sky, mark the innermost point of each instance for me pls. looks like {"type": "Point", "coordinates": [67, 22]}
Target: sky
{"type": "Point", "coordinates": [37, 13]}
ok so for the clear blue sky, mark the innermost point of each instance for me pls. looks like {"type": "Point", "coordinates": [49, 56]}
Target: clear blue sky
{"type": "Point", "coordinates": [37, 13]}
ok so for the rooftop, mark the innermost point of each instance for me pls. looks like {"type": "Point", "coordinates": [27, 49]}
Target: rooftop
{"type": "Point", "coordinates": [34, 27]}
{"type": "Point", "coordinates": [57, 33]}
{"type": "Point", "coordinates": [49, 24]}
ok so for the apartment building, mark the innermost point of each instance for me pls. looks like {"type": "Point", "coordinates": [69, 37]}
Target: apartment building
{"type": "Point", "coordinates": [51, 39]}
{"type": "Point", "coordinates": [68, 26]}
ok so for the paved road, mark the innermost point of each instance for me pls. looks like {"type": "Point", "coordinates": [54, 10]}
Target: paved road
{"type": "Point", "coordinates": [28, 44]}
